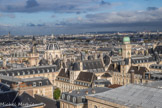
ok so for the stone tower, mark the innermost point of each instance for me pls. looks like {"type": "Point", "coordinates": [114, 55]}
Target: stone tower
{"type": "Point", "coordinates": [33, 54]}
{"type": "Point", "coordinates": [126, 48]}
{"type": "Point", "coordinates": [126, 55]}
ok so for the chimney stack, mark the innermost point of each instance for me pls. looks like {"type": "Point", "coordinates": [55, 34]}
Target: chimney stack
{"type": "Point", "coordinates": [81, 66]}
{"type": "Point", "coordinates": [115, 65]}
{"type": "Point", "coordinates": [138, 67]}
{"type": "Point", "coordinates": [93, 91]}
{"type": "Point", "coordinates": [86, 92]}
{"type": "Point", "coordinates": [132, 76]}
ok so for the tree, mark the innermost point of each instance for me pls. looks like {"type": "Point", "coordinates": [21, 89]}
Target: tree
{"type": "Point", "coordinates": [57, 93]}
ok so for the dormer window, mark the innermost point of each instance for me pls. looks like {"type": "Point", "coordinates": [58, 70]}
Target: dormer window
{"type": "Point", "coordinates": [34, 84]}
{"type": "Point", "coordinates": [47, 70]}
{"type": "Point", "coordinates": [38, 71]}
{"type": "Point", "coordinates": [68, 97]}
{"type": "Point", "coordinates": [74, 99]}
{"type": "Point", "coordinates": [43, 70]}
{"type": "Point", "coordinates": [63, 96]}
{"type": "Point", "coordinates": [40, 83]}
{"type": "Point", "coordinates": [33, 72]}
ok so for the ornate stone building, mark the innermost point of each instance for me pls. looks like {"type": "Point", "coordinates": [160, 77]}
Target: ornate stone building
{"type": "Point", "coordinates": [80, 75]}
{"type": "Point", "coordinates": [37, 85]}
{"type": "Point", "coordinates": [53, 52]}
{"type": "Point", "coordinates": [130, 69]}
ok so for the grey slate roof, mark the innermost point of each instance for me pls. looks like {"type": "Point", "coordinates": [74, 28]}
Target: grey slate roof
{"type": "Point", "coordinates": [93, 65]}
{"type": "Point", "coordinates": [79, 95]}
{"type": "Point", "coordinates": [49, 103]}
{"type": "Point", "coordinates": [86, 76]}
{"type": "Point", "coordinates": [133, 96]}
{"type": "Point", "coordinates": [29, 70]}
{"type": "Point", "coordinates": [26, 101]}
{"type": "Point", "coordinates": [154, 84]}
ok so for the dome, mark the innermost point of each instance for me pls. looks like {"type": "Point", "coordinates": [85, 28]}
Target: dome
{"type": "Point", "coordinates": [126, 39]}
{"type": "Point", "coordinates": [53, 46]}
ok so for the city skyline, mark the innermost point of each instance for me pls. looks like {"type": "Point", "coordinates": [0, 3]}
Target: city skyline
{"type": "Point", "coordinates": [38, 17]}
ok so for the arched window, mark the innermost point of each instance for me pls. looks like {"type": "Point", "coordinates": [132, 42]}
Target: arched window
{"type": "Point", "coordinates": [74, 99]}
{"type": "Point", "coordinates": [68, 97]}
{"type": "Point", "coordinates": [63, 96]}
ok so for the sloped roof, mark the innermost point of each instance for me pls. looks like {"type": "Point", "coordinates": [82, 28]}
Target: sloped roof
{"type": "Point", "coordinates": [138, 70]}
{"type": "Point", "coordinates": [112, 67]}
{"type": "Point", "coordinates": [64, 74]}
{"type": "Point", "coordinates": [86, 76]}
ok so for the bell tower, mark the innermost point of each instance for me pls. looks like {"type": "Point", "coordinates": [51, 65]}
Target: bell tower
{"type": "Point", "coordinates": [126, 55]}
{"type": "Point", "coordinates": [33, 54]}
{"type": "Point", "coordinates": [126, 48]}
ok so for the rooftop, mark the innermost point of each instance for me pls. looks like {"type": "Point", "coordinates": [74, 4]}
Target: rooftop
{"type": "Point", "coordinates": [133, 96]}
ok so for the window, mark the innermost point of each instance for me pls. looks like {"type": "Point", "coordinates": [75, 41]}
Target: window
{"type": "Point", "coordinates": [68, 97]}
{"type": "Point", "coordinates": [40, 83]}
{"type": "Point", "coordinates": [34, 84]}
{"type": "Point", "coordinates": [63, 96]}
{"type": "Point", "coordinates": [74, 99]}
{"type": "Point", "coordinates": [47, 70]}
{"type": "Point", "coordinates": [33, 72]}
{"type": "Point", "coordinates": [47, 82]}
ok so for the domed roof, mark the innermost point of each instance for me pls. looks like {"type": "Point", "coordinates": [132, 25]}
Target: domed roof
{"type": "Point", "coordinates": [126, 39]}
{"type": "Point", "coordinates": [53, 46]}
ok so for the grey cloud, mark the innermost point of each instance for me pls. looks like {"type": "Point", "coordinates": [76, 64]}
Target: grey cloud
{"type": "Point", "coordinates": [58, 6]}
{"type": "Point", "coordinates": [105, 3]}
{"type": "Point", "coordinates": [31, 3]}
{"type": "Point", "coordinates": [151, 8]}
{"type": "Point", "coordinates": [10, 15]}
{"type": "Point", "coordinates": [35, 25]}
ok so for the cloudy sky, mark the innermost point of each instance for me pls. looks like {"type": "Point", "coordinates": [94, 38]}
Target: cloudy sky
{"type": "Point", "coordinates": [79, 16]}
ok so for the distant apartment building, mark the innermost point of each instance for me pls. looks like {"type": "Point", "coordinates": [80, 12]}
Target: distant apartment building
{"type": "Point", "coordinates": [37, 85]}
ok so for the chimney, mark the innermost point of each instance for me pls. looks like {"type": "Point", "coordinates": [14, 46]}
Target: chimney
{"type": "Point", "coordinates": [143, 75]}
{"type": "Point", "coordinates": [138, 67]}
{"type": "Point", "coordinates": [149, 76]}
{"type": "Point", "coordinates": [70, 91]}
{"type": "Point", "coordinates": [81, 66]}
{"type": "Point", "coordinates": [115, 65]}
{"type": "Point", "coordinates": [78, 92]}
{"type": "Point", "coordinates": [86, 92]}
{"type": "Point", "coordinates": [96, 56]}
{"type": "Point", "coordinates": [4, 63]}
{"type": "Point", "coordinates": [93, 91]}
{"type": "Point", "coordinates": [132, 76]}
{"type": "Point", "coordinates": [65, 69]}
